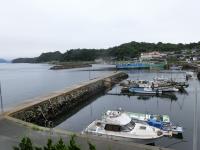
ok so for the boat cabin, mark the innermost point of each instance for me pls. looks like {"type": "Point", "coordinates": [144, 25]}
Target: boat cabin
{"type": "Point", "coordinates": [118, 121]}
{"type": "Point", "coordinates": [117, 128]}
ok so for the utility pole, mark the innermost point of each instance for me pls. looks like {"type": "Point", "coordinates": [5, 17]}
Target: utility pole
{"type": "Point", "coordinates": [89, 74]}
{"type": "Point", "coordinates": [195, 122]}
{"type": "Point", "coordinates": [1, 99]}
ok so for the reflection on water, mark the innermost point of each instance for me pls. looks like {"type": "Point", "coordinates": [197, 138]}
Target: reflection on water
{"type": "Point", "coordinates": [63, 117]}
{"type": "Point", "coordinates": [167, 96]}
{"type": "Point", "coordinates": [179, 106]}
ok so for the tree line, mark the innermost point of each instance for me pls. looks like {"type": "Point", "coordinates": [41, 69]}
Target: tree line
{"type": "Point", "coordinates": [121, 52]}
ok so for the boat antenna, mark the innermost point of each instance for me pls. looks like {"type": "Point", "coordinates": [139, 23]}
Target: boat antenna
{"type": "Point", "coordinates": [195, 122]}
{"type": "Point", "coordinates": [171, 75]}
{"type": "Point", "coordinates": [1, 99]}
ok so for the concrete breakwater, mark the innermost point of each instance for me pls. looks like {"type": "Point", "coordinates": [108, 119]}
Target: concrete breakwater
{"type": "Point", "coordinates": [44, 110]}
{"type": "Point", "coordinates": [69, 65]}
{"type": "Point", "coordinates": [59, 67]}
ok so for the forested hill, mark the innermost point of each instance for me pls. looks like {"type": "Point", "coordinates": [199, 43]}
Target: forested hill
{"type": "Point", "coordinates": [132, 49]}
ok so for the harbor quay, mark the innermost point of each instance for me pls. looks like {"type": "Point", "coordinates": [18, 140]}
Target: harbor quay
{"type": "Point", "coordinates": [34, 119]}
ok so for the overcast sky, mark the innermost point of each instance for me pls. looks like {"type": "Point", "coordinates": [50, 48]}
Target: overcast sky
{"type": "Point", "coordinates": [30, 27]}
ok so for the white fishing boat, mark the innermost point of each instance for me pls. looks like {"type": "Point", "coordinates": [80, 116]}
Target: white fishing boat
{"type": "Point", "coordinates": [118, 125]}
{"type": "Point", "coordinates": [156, 86]}
{"type": "Point", "coordinates": [168, 89]}
{"type": "Point", "coordinates": [174, 67]}
{"type": "Point", "coordinates": [144, 83]}
{"type": "Point", "coordinates": [144, 90]}
{"type": "Point", "coordinates": [161, 79]}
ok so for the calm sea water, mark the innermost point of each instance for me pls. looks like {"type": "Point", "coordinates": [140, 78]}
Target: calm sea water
{"type": "Point", "coordinates": [21, 82]}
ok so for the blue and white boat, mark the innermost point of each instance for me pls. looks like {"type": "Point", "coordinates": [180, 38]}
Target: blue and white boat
{"type": "Point", "coordinates": [144, 90]}
{"type": "Point", "coordinates": [162, 122]}
{"type": "Point", "coordinates": [164, 126]}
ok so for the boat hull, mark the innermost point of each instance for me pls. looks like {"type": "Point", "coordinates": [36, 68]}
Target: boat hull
{"type": "Point", "coordinates": [140, 133]}
{"type": "Point", "coordinates": [145, 90]}
{"type": "Point", "coordinates": [169, 89]}
{"type": "Point", "coordinates": [119, 138]}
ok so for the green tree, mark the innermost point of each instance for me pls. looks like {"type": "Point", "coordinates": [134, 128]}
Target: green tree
{"type": "Point", "coordinates": [72, 144]}
{"type": "Point", "coordinates": [25, 144]}
{"type": "Point", "coordinates": [61, 145]}
{"type": "Point", "coordinates": [49, 145]}
{"type": "Point", "coordinates": [91, 146]}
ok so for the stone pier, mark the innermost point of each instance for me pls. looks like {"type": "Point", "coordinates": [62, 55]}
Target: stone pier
{"type": "Point", "coordinates": [43, 111]}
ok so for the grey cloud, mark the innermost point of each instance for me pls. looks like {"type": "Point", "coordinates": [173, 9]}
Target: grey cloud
{"type": "Point", "coordinates": [28, 28]}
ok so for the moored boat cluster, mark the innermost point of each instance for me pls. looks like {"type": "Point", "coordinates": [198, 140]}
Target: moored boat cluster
{"type": "Point", "coordinates": [136, 127]}
{"type": "Point", "coordinates": [139, 127]}
{"type": "Point", "coordinates": [156, 86]}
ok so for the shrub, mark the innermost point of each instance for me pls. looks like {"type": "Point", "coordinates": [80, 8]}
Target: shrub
{"type": "Point", "coordinates": [26, 144]}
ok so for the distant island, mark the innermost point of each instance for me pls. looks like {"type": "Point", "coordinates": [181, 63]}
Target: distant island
{"type": "Point", "coordinates": [125, 51]}
{"type": "Point", "coordinates": [24, 60]}
{"type": "Point", "coordinates": [3, 60]}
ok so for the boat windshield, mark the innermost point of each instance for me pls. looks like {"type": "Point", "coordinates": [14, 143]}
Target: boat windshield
{"type": "Point", "coordinates": [130, 126]}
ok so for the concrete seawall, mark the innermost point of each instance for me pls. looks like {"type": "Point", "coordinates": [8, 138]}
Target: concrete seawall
{"type": "Point", "coordinates": [42, 111]}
